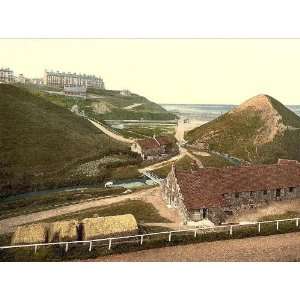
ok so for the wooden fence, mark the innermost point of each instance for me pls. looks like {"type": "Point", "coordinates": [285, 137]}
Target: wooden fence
{"type": "Point", "coordinates": [166, 235]}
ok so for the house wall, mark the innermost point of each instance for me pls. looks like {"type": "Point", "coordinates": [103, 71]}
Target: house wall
{"type": "Point", "coordinates": [248, 200]}
{"type": "Point", "coordinates": [172, 196]}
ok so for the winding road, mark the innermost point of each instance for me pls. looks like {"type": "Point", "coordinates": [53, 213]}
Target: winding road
{"type": "Point", "coordinates": [112, 134]}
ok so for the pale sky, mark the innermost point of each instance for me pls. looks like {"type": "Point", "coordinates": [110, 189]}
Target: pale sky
{"type": "Point", "coordinates": [169, 70]}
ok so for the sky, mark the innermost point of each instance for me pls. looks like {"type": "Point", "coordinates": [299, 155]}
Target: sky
{"type": "Point", "coordinates": [197, 71]}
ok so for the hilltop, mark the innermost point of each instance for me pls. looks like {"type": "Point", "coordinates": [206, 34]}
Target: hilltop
{"type": "Point", "coordinates": [41, 142]}
{"type": "Point", "coordinates": [112, 105]}
{"type": "Point", "coordinates": [260, 130]}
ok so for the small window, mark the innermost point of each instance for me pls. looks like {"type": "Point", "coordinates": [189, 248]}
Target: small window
{"type": "Point", "coordinates": [265, 192]}
{"type": "Point", "coordinates": [237, 195]}
{"type": "Point", "coordinates": [291, 189]}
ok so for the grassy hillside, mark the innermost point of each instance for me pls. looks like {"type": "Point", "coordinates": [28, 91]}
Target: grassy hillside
{"type": "Point", "coordinates": [115, 106]}
{"type": "Point", "coordinates": [236, 133]}
{"type": "Point", "coordinates": [40, 142]}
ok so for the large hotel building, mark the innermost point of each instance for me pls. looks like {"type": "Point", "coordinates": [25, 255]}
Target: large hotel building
{"type": "Point", "coordinates": [61, 79]}
{"type": "Point", "coordinates": [7, 75]}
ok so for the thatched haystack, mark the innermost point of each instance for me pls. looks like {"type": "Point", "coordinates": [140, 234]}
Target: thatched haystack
{"type": "Point", "coordinates": [102, 227]}
{"type": "Point", "coordinates": [30, 234]}
{"type": "Point", "coordinates": [63, 231]}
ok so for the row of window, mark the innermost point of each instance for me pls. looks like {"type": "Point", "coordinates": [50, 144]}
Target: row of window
{"type": "Point", "coordinates": [265, 192]}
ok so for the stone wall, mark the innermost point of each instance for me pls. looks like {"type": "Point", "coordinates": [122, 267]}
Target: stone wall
{"type": "Point", "coordinates": [172, 196]}
{"type": "Point", "coordinates": [252, 199]}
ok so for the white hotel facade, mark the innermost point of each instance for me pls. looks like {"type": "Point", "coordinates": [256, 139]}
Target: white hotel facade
{"type": "Point", "coordinates": [7, 75]}
{"type": "Point", "coordinates": [62, 79]}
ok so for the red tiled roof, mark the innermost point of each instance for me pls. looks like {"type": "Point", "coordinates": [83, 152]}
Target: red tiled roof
{"type": "Point", "coordinates": [205, 188]}
{"type": "Point", "coordinates": [153, 143]}
{"type": "Point", "coordinates": [148, 144]}
{"type": "Point", "coordinates": [165, 140]}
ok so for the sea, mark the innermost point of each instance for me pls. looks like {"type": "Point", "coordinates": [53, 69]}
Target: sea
{"type": "Point", "coordinates": [207, 112]}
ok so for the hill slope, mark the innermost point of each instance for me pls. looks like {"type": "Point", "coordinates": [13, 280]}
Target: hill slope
{"type": "Point", "coordinates": [260, 130]}
{"type": "Point", "coordinates": [111, 105]}
{"type": "Point", "coordinates": [39, 140]}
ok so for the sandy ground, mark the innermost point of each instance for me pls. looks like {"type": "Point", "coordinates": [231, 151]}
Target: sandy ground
{"type": "Point", "coordinates": [171, 214]}
{"type": "Point", "coordinates": [282, 247]}
{"type": "Point", "coordinates": [274, 208]}
{"type": "Point", "coordinates": [201, 153]}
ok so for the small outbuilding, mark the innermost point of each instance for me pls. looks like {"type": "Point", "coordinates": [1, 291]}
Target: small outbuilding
{"type": "Point", "coordinates": [155, 147]}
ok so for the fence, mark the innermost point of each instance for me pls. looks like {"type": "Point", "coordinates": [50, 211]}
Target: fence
{"type": "Point", "coordinates": [167, 235]}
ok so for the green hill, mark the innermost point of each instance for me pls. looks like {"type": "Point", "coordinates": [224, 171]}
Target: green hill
{"type": "Point", "coordinates": [260, 130]}
{"type": "Point", "coordinates": [40, 142]}
{"type": "Point", "coordinates": [112, 105]}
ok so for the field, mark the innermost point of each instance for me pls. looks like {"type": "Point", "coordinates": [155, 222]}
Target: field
{"type": "Point", "coordinates": [143, 212]}
{"type": "Point", "coordinates": [146, 130]}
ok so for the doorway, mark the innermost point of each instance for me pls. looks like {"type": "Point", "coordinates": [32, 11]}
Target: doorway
{"type": "Point", "coordinates": [277, 192]}
{"type": "Point", "coordinates": [205, 213]}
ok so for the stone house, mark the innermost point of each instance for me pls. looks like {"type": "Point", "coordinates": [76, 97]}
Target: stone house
{"type": "Point", "coordinates": [152, 148]}
{"type": "Point", "coordinates": [217, 193]}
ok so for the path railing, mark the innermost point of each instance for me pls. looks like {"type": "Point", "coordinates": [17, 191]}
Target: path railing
{"type": "Point", "coordinates": [167, 235]}
{"type": "Point", "coordinates": [152, 176]}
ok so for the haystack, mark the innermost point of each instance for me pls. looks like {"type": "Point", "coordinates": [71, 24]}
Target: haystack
{"type": "Point", "coordinates": [63, 231]}
{"type": "Point", "coordinates": [30, 234]}
{"type": "Point", "coordinates": [102, 227]}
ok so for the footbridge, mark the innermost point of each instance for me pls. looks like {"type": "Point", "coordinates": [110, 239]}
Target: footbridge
{"type": "Point", "coordinates": [152, 176]}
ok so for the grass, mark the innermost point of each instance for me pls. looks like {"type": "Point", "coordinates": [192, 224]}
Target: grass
{"type": "Point", "coordinates": [231, 133]}
{"type": "Point", "coordinates": [143, 212]}
{"type": "Point", "coordinates": [184, 163]}
{"type": "Point", "coordinates": [213, 161]}
{"type": "Point", "coordinates": [11, 207]}
{"type": "Point", "coordinates": [235, 134]}
{"type": "Point", "coordinates": [286, 215]}
{"type": "Point", "coordinates": [80, 251]}
{"type": "Point", "coordinates": [116, 104]}
{"type": "Point", "coordinates": [41, 141]}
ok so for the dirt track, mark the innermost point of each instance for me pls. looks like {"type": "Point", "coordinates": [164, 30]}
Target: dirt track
{"type": "Point", "coordinates": [281, 247]}
{"type": "Point", "coordinates": [112, 134]}
{"type": "Point", "coordinates": [8, 225]}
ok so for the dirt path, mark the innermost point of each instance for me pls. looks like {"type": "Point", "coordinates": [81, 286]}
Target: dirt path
{"type": "Point", "coordinates": [281, 247]}
{"type": "Point", "coordinates": [165, 162]}
{"type": "Point", "coordinates": [112, 134]}
{"type": "Point", "coordinates": [197, 160]}
{"type": "Point", "coordinates": [171, 214]}
{"type": "Point", "coordinates": [8, 225]}
{"type": "Point", "coordinates": [273, 208]}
